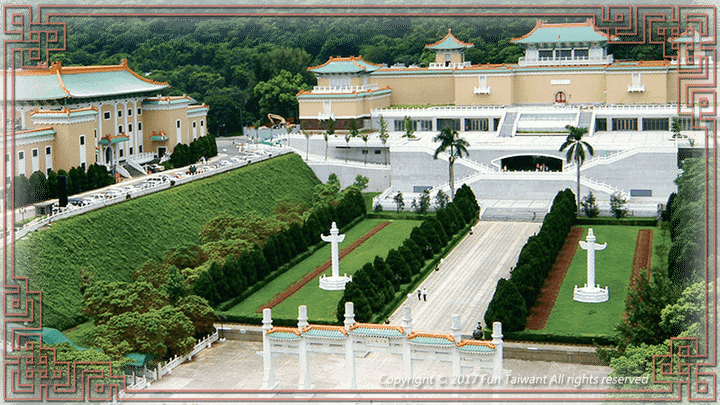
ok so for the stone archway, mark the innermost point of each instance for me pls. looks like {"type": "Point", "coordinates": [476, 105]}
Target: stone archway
{"type": "Point", "coordinates": [525, 163]}
{"type": "Point", "coordinates": [560, 97]}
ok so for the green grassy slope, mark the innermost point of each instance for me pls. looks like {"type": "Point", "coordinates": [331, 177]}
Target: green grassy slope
{"type": "Point", "coordinates": [117, 239]}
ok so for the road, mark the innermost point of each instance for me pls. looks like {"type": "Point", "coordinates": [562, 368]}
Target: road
{"type": "Point", "coordinates": [467, 277]}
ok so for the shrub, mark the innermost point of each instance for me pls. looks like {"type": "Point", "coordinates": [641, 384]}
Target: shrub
{"type": "Point", "coordinates": [589, 206]}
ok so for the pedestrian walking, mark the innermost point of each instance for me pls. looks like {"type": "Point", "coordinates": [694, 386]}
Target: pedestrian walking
{"type": "Point", "coordinates": [424, 294]}
{"type": "Point", "coordinates": [419, 294]}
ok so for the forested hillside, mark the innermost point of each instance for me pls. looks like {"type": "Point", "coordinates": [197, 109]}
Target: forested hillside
{"type": "Point", "coordinates": [222, 61]}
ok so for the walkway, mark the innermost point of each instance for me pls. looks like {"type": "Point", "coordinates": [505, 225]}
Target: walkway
{"type": "Point", "coordinates": [467, 278]}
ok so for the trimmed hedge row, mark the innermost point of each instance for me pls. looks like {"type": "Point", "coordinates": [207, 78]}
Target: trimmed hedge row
{"type": "Point", "coordinates": [542, 337]}
{"type": "Point", "coordinates": [514, 298]}
{"type": "Point", "coordinates": [375, 284]}
{"type": "Point", "coordinates": [220, 283]}
{"type": "Point", "coordinates": [614, 221]}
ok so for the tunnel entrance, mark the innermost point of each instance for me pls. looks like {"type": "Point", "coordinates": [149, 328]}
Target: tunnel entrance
{"type": "Point", "coordinates": [531, 163]}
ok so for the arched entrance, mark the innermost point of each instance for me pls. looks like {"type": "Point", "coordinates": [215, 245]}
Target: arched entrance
{"type": "Point", "coordinates": [108, 155]}
{"type": "Point", "coordinates": [531, 163]}
{"type": "Point", "coordinates": [560, 97]}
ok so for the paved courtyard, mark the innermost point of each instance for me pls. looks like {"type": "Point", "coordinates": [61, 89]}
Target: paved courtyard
{"type": "Point", "coordinates": [467, 277]}
{"type": "Point", "coordinates": [224, 370]}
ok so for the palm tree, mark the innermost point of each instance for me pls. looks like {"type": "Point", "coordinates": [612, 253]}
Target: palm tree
{"type": "Point", "coordinates": [449, 139]}
{"type": "Point", "coordinates": [384, 134]}
{"type": "Point", "coordinates": [307, 147]}
{"type": "Point", "coordinates": [576, 149]}
{"type": "Point", "coordinates": [329, 131]}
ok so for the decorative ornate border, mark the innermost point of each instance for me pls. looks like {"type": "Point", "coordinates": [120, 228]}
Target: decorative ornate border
{"type": "Point", "coordinates": [33, 35]}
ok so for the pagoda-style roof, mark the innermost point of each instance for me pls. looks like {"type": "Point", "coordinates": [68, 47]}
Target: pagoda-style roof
{"type": "Point", "coordinates": [352, 64]}
{"type": "Point", "coordinates": [449, 42]}
{"type": "Point", "coordinates": [158, 136]}
{"type": "Point", "coordinates": [377, 330]}
{"type": "Point", "coordinates": [60, 82]}
{"type": "Point", "coordinates": [544, 33]}
{"type": "Point", "coordinates": [431, 338]}
{"type": "Point", "coordinates": [325, 331]}
{"type": "Point", "coordinates": [691, 35]}
{"type": "Point", "coordinates": [168, 100]}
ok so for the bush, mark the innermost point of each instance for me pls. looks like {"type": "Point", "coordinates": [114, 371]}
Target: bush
{"type": "Point", "coordinates": [589, 206]}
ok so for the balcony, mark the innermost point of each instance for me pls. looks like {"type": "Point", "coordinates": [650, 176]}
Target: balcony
{"type": "Point", "coordinates": [344, 89]}
{"type": "Point", "coordinates": [325, 116]}
{"type": "Point", "coordinates": [567, 61]}
{"type": "Point", "coordinates": [636, 88]}
{"type": "Point", "coordinates": [482, 90]}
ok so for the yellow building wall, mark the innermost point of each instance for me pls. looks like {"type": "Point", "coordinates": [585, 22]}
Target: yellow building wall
{"type": "Point", "coordinates": [310, 108]}
{"type": "Point", "coordinates": [501, 90]}
{"type": "Point", "coordinates": [164, 120]}
{"type": "Point", "coordinates": [27, 162]}
{"type": "Point", "coordinates": [539, 88]}
{"type": "Point", "coordinates": [66, 149]}
{"type": "Point", "coordinates": [656, 89]}
{"type": "Point", "coordinates": [672, 86]}
{"type": "Point", "coordinates": [454, 57]}
{"type": "Point", "coordinates": [419, 89]}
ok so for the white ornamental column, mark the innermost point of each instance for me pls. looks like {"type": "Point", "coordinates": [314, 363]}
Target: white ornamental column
{"type": "Point", "coordinates": [498, 359]}
{"type": "Point", "coordinates": [458, 337]}
{"type": "Point", "coordinates": [335, 238]}
{"type": "Point", "coordinates": [268, 366]}
{"type": "Point", "coordinates": [304, 359]}
{"type": "Point", "coordinates": [349, 349]}
{"type": "Point", "coordinates": [407, 350]}
{"type": "Point", "coordinates": [591, 247]}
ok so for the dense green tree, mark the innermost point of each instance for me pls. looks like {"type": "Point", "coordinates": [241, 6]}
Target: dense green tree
{"type": "Point", "coordinates": [199, 312]}
{"type": "Point", "coordinates": [353, 293]}
{"type": "Point", "coordinates": [399, 201]}
{"type": "Point", "coordinates": [38, 187]}
{"type": "Point", "coordinates": [21, 191]}
{"type": "Point", "coordinates": [104, 300]}
{"type": "Point", "coordinates": [507, 307]}
{"type": "Point", "coordinates": [396, 262]}
{"type": "Point", "coordinates": [205, 287]}
{"type": "Point", "coordinates": [174, 287]}
{"type": "Point", "coordinates": [617, 205]}
{"type": "Point", "coordinates": [277, 95]}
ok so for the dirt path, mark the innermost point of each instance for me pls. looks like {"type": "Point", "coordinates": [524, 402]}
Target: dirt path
{"type": "Point", "coordinates": [319, 269]}
{"type": "Point", "coordinates": [643, 254]}
{"type": "Point", "coordinates": [551, 288]}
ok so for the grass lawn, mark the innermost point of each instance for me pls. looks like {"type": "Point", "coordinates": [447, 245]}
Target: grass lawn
{"type": "Point", "coordinates": [321, 304]}
{"type": "Point", "coordinates": [613, 269]}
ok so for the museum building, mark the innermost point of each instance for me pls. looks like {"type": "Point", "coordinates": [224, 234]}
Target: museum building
{"type": "Point", "coordinates": [70, 116]}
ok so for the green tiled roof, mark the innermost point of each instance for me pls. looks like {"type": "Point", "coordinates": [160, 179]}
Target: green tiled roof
{"type": "Point", "coordinates": [168, 100]}
{"type": "Point", "coordinates": [335, 334]}
{"type": "Point", "coordinates": [113, 140]}
{"type": "Point", "coordinates": [476, 349]}
{"type": "Point", "coordinates": [62, 114]}
{"type": "Point", "coordinates": [449, 42]}
{"type": "Point", "coordinates": [106, 83]}
{"type": "Point", "coordinates": [37, 87]}
{"type": "Point", "coordinates": [434, 341]}
{"type": "Point", "coordinates": [283, 336]}
{"type": "Point", "coordinates": [379, 332]}
{"type": "Point", "coordinates": [551, 33]}
{"type": "Point", "coordinates": [344, 65]}
{"type": "Point", "coordinates": [140, 359]}
{"type": "Point", "coordinates": [32, 134]}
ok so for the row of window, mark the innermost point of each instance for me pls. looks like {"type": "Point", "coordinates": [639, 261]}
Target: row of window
{"type": "Point", "coordinates": [632, 124]}
{"type": "Point", "coordinates": [106, 114]}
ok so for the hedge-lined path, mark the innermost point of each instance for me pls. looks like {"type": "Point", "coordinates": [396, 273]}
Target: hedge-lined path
{"type": "Point", "coordinates": [466, 281]}
{"type": "Point", "coordinates": [320, 269]}
{"type": "Point", "coordinates": [643, 254]}
{"type": "Point", "coordinates": [551, 288]}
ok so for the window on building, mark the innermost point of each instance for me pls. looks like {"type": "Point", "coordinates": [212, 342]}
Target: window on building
{"type": "Point", "coordinates": [120, 129]}
{"type": "Point", "coordinates": [82, 139]}
{"type": "Point", "coordinates": [565, 53]}
{"type": "Point", "coordinates": [129, 127]}
{"type": "Point", "coordinates": [364, 151]}
{"type": "Point", "coordinates": [624, 124]}
{"type": "Point", "coordinates": [119, 113]}
{"type": "Point", "coordinates": [601, 124]}
{"type": "Point", "coordinates": [106, 115]}
{"type": "Point", "coordinates": [581, 53]}
{"type": "Point", "coordinates": [378, 151]}
{"type": "Point", "coordinates": [7, 157]}
{"type": "Point", "coordinates": [140, 148]}
{"type": "Point", "coordinates": [546, 54]}
{"type": "Point", "coordinates": [423, 125]}
{"type": "Point", "coordinates": [177, 123]}
{"type": "Point", "coordinates": [21, 155]}
{"type": "Point", "coordinates": [131, 150]}
{"type": "Point", "coordinates": [636, 79]}
{"type": "Point", "coordinates": [121, 152]}
{"type": "Point", "coordinates": [202, 123]}
{"type": "Point", "coordinates": [48, 150]}
{"type": "Point", "coordinates": [34, 153]}
{"type": "Point", "coordinates": [83, 165]}
{"type": "Point", "coordinates": [685, 123]}
{"type": "Point", "coordinates": [49, 169]}
{"type": "Point", "coordinates": [139, 126]}
{"type": "Point", "coordinates": [656, 124]}
{"type": "Point", "coordinates": [194, 124]}
{"type": "Point", "coordinates": [477, 124]}
{"type": "Point", "coordinates": [129, 112]}
{"type": "Point", "coordinates": [399, 125]}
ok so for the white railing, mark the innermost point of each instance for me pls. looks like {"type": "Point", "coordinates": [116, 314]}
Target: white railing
{"type": "Point", "coordinates": [635, 107]}
{"type": "Point", "coordinates": [636, 88]}
{"type": "Point", "coordinates": [617, 156]}
{"type": "Point", "coordinates": [72, 210]}
{"type": "Point", "coordinates": [344, 89]}
{"type": "Point", "coordinates": [525, 61]}
{"type": "Point", "coordinates": [430, 111]}
{"type": "Point", "coordinates": [141, 157]}
{"type": "Point", "coordinates": [482, 90]}
{"type": "Point", "coordinates": [165, 369]}
{"type": "Point", "coordinates": [434, 65]}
